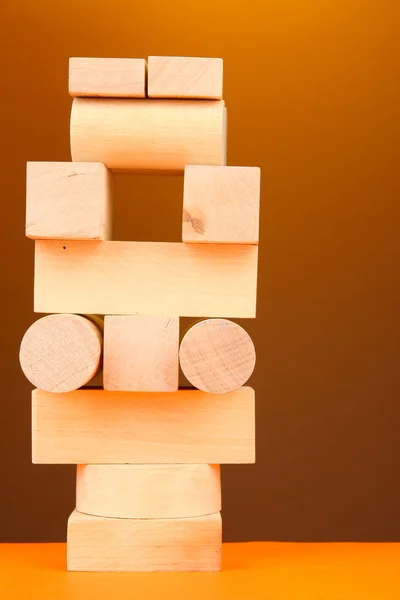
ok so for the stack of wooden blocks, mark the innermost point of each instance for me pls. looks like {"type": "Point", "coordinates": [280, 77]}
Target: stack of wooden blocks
{"type": "Point", "coordinates": [148, 494]}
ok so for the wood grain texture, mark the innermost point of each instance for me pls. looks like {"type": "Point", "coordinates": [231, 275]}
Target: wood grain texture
{"type": "Point", "coordinates": [109, 77]}
{"type": "Point", "coordinates": [148, 491]}
{"type": "Point", "coordinates": [148, 135]}
{"type": "Point", "coordinates": [104, 544]}
{"type": "Point", "coordinates": [141, 353]}
{"type": "Point", "coordinates": [217, 356]}
{"type": "Point", "coordinates": [60, 353]}
{"type": "Point", "coordinates": [221, 204]}
{"type": "Point", "coordinates": [67, 200]}
{"type": "Point", "coordinates": [145, 278]}
{"type": "Point", "coordinates": [188, 426]}
{"type": "Point", "coordinates": [185, 77]}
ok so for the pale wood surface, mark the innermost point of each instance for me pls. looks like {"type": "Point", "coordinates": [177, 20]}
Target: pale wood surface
{"type": "Point", "coordinates": [104, 544]}
{"type": "Point", "coordinates": [188, 426]}
{"type": "Point", "coordinates": [141, 353]}
{"type": "Point", "coordinates": [221, 204]}
{"type": "Point", "coordinates": [217, 355]}
{"type": "Point", "coordinates": [60, 353]}
{"type": "Point", "coordinates": [115, 77]}
{"type": "Point", "coordinates": [145, 278]}
{"type": "Point", "coordinates": [185, 77]}
{"type": "Point", "coordinates": [148, 491]}
{"type": "Point", "coordinates": [67, 200]}
{"type": "Point", "coordinates": [148, 135]}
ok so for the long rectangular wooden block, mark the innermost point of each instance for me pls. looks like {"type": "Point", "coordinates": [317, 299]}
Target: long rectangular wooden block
{"type": "Point", "coordinates": [109, 77]}
{"type": "Point", "coordinates": [148, 135]}
{"type": "Point", "coordinates": [185, 77]}
{"type": "Point", "coordinates": [108, 544]}
{"type": "Point", "coordinates": [147, 278]}
{"type": "Point", "coordinates": [66, 200]}
{"type": "Point", "coordinates": [141, 353]}
{"type": "Point", "coordinates": [221, 204]}
{"type": "Point", "coordinates": [188, 426]}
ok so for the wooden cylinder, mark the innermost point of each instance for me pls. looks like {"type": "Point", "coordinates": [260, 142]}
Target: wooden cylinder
{"type": "Point", "coordinates": [61, 353]}
{"type": "Point", "coordinates": [217, 356]}
{"type": "Point", "coordinates": [148, 135]}
{"type": "Point", "coordinates": [148, 491]}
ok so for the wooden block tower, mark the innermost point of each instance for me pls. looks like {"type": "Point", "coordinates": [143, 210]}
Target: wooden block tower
{"type": "Point", "coordinates": [148, 454]}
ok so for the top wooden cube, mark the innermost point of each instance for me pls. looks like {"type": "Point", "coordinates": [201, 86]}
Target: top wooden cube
{"type": "Point", "coordinates": [107, 77]}
{"type": "Point", "coordinates": [185, 77]}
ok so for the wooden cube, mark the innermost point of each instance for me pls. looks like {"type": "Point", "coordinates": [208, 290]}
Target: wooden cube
{"type": "Point", "coordinates": [221, 204]}
{"type": "Point", "coordinates": [107, 77]}
{"type": "Point", "coordinates": [68, 201]}
{"type": "Point", "coordinates": [141, 353]}
{"type": "Point", "coordinates": [185, 77]}
{"type": "Point", "coordinates": [108, 544]}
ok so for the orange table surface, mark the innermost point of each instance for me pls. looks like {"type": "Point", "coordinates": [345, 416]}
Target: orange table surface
{"type": "Point", "coordinates": [260, 570]}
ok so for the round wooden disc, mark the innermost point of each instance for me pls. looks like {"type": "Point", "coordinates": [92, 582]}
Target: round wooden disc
{"type": "Point", "coordinates": [148, 491]}
{"type": "Point", "coordinates": [61, 353]}
{"type": "Point", "coordinates": [217, 356]}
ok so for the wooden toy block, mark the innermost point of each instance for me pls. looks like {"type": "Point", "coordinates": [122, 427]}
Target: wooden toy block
{"type": "Point", "coordinates": [145, 278]}
{"type": "Point", "coordinates": [188, 426]}
{"type": "Point", "coordinates": [109, 77]}
{"type": "Point", "coordinates": [148, 135]}
{"type": "Point", "coordinates": [217, 356]}
{"type": "Point", "coordinates": [185, 77]}
{"type": "Point", "coordinates": [148, 491]}
{"type": "Point", "coordinates": [141, 353]}
{"type": "Point", "coordinates": [68, 200]}
{"type": "Point", "coordinates": [105, 544]}
{"type": "Point", "coordinates": [221, 204]}
{"type": "Point", "coordinates": [60, 353]}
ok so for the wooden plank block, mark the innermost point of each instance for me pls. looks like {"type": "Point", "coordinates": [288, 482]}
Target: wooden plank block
{"type": "Point", "coordinates": [60, 353]}
{"type": "Point", "coordinates": [109, 77]}
{"type": "Point", "coordinates": [67, 200]}
{"type": "Point", "coordinates": [221, 204]}
{"type": "Point", "coordinates": [188, 426]}
{"type": "Point", "coordinates": [148, 491]}
{"type": "Point", "coordinates": [185, 77]}
{"type": "Point", "coordinates": [141, 353]}
{"type": "Point", "coordinates": [148, 135]}
{"type": "Point", "coordinates": [145, 278]}
{"type": "Point", "coordinates": [217, 356]}
{"type": "Point", "coordinates": [104, 544]}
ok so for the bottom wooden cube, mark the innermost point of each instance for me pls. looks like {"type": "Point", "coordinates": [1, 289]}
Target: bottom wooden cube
{"type": "Point", "coordinates": [114, 544]}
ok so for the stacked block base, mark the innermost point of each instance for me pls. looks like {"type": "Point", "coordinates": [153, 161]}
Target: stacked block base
{"type": "Point", "coordinates": [111, 544]}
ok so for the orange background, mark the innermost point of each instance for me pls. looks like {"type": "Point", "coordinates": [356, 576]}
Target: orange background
{"type": "Point", "coordinates": [312, 95]}
{"type": "Point", "coordinates": [255, 571]}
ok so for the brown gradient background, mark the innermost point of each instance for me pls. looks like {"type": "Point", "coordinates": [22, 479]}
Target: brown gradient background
{"type": "Point", "coordinates": [312, 95]}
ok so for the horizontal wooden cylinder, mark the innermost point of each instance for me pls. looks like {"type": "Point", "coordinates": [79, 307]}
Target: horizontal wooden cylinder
{"type": "Point", "coordinates": [106, 544]}
{"type": "Point", "coordinates": [148, 135]}
{"type": "Point", "coordinates": [61, 353]}
{"type": "Point", "coordinates": [98, 427]}
{"type": "Point", "coordinates": [145, 278]}
{"type": "Point", "coordinates": [148, 491]}
{"type": "Point", "coordinates": [217, 356]}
